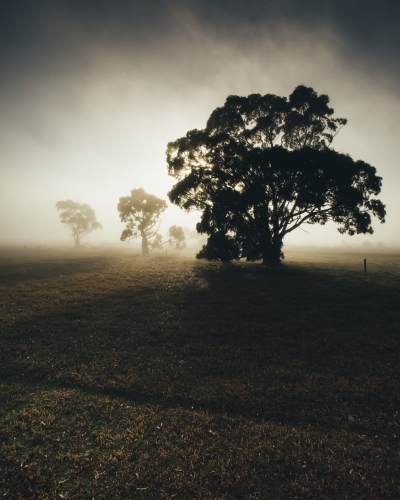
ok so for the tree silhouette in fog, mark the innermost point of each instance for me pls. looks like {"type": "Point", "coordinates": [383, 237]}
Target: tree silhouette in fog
{"type": "Point", "coordinates": [79, 217]}
{"type": "Point", "coordinates": [262, 168]}
{"type": "Point", "coordinates": [177, 237]}
{"type": "Point", "coordinates": [141, 212]}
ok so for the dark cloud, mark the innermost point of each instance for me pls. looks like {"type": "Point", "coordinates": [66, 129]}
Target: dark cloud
{"type": "Point", "coordinates": [51, 34]}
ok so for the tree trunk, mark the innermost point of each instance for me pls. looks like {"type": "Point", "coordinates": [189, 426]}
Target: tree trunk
{"type": "Point", "coordinates": [272, 254]}
{"type": "Point", "coordinates": [77, 243]}
{"type": "Point", "coordinates": [145, 246]}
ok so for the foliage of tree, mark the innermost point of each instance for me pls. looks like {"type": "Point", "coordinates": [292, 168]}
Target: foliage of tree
{"type": "Point", "coordinates": [177, 237]}
{"type": "Point", "coordinates": [79, 217]}
{"type": "Point", "coordinates": [157, 242]}
{"type": "Point", "coordinates": [141, 212]}
{"type": "Point", "coordinates": [263, 167]}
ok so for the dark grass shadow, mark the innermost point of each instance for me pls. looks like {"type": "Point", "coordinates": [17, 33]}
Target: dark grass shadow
{"type": "Point", "coordinates": [285, 344]}
{"type": "Point", "coordinates": [50, 267]}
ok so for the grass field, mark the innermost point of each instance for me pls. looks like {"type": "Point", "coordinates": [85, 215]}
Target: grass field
{"type": "Point", "coordinates": [159, 378]}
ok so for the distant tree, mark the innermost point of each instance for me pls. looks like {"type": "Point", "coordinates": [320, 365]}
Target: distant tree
{"type": "Point", "coordinates": [80, 218]}
{"type": "Point", "coordinates": [262, 168]}
{"type": "Point", "coordinates": [177, 237]}
{"type": "Point", "coordinates": [141, 212]}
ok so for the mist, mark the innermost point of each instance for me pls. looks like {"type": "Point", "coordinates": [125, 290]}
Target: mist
{"type": "Point", "coordinates": [91, 95]}
{"type": "Point", "coordinates": [170, 376]}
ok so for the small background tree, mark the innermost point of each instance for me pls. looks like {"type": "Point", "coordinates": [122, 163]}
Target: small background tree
{"type": "Point", "coordinates": [141, 212]}
{"type": "Point", "coordinates": [79, 217]}
{"type": "Point", "coordinates": [177, 237]}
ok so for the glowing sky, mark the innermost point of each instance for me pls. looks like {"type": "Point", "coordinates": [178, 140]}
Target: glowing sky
{"type": "Point", "coordinates": [92, 91]}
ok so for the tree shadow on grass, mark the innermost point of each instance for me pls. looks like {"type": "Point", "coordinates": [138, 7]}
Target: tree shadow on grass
{"type": "Point", "coordinates": [286, 344]}
{"type": "Point", "coordinates": [52, 268]}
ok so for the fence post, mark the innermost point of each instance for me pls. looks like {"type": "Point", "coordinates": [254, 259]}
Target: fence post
{"type": "Point", "coordinates": [365, 266]}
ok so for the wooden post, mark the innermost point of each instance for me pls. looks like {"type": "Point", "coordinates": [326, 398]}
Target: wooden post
{"type": "Point", "coordinates": [365, 266]}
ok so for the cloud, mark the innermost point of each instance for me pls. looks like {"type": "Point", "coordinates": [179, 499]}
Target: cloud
{"type": "Point", "coordinates": [50, 34]}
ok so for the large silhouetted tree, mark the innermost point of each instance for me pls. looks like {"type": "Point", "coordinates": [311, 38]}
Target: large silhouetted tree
{"type": "Point", "coordinates": [80, 218]}
{"type": "Point", "coordinates": [141, 212]}
{"type": "Point", "coordinates": [262, 167]}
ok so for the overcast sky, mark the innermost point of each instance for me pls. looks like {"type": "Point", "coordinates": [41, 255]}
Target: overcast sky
{"type": "Point", "coordinates": [91, 92]}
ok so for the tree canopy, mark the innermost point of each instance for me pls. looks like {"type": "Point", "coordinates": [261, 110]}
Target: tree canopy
{"type": "Point", "coordinates": [141, 212]}
{"type": "Point", "coordinates": [263, 167]}
{"type": "Point", "coordinates": [80, 218]}
{"type": "Point", "coordinates": [177, 237]}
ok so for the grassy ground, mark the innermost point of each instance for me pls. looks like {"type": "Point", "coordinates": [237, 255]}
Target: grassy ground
{"type": "Point", "coordinates": [123, 377]}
